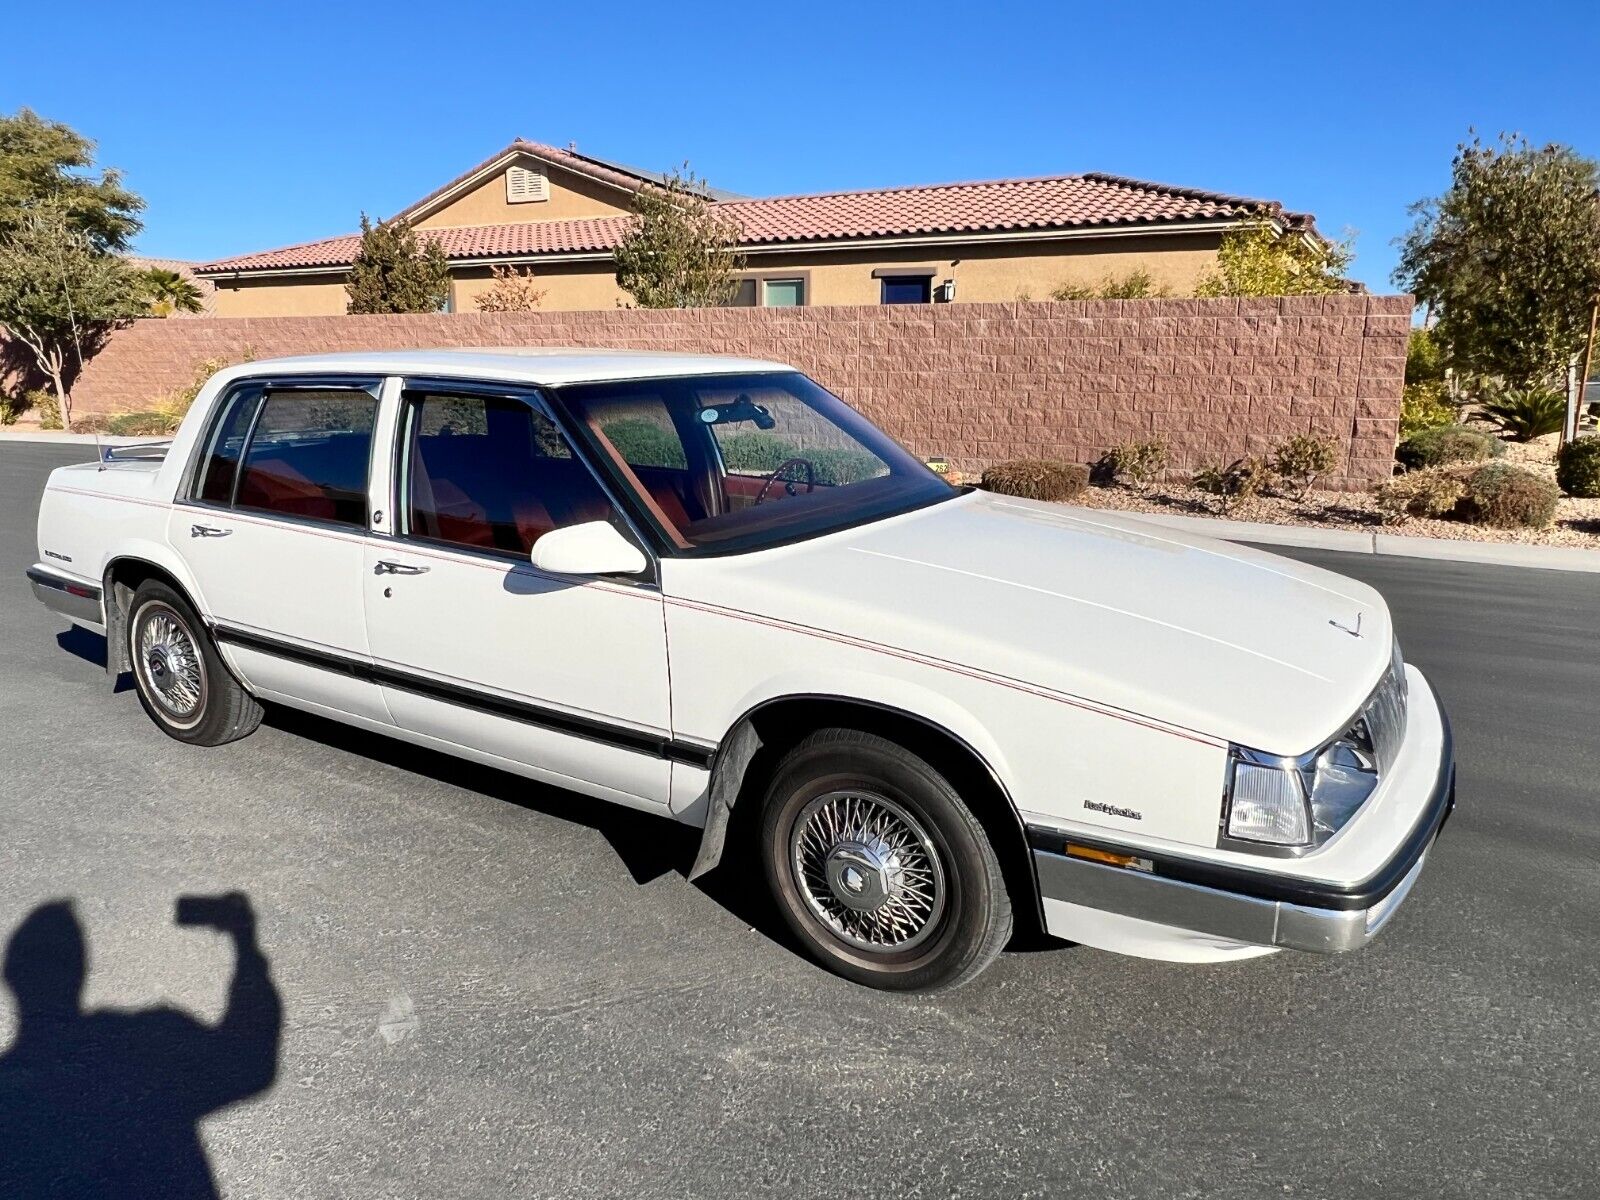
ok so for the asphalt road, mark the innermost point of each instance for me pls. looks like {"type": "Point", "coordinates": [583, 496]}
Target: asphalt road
{"type": "Point", "coordinates": [491, 989]}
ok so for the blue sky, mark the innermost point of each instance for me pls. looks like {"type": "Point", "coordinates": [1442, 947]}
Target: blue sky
{"type": "Point", "coordinates": [248, 125]}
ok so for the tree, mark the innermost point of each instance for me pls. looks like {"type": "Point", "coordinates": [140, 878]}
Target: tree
{"type": "Point", "coordinates": [60, 295]}
{"type": "Point", "coordinates": [45, 162]}
{"type": "Point", "coordinates": [1508, 259]}
{"type": "Point", "coordinates": [167, 292]}
{"type": "Point", "coordinates": [1262, 258]}
{"type": "Point", "coordinates": [513, 290]}
{"type": "Point", "coordinates": [395, 272]}
{"type": "Point", "coordinates": [680, 252]}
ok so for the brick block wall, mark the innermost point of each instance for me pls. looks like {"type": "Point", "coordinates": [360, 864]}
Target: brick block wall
{"type": "Point", "coordinates": [977, 383]}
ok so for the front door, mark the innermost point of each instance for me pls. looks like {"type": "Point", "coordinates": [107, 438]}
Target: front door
{"type": "Point", "coordinates": [273, 528]}
{"type": "Point", "coordinates": [476, 647]}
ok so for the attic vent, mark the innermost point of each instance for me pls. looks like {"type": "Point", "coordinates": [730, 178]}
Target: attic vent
{"type": "Point", "coordinates": [524, 186]}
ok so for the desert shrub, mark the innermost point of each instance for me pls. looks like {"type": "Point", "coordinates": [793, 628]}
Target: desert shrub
{"type": "Point", "coordinates": [755, 450]}
{"type": "Point", "coordinates": [1523, 414]}
{"type": "Point", "coordinates": [1136, 285]}
{"type": "Point", "coordinates": [1578, 468]}
{"type": "Point", "coordinates": [1235, 484]}
{"type": "Point", "coordinates": [1301, 460]}
{"type": "Point", "coordinates": [1510, 497]}
{"type": "Point", "coordinates": [1423, 406]}
{"type": "Point", "coordinates": [92, 423]}
{"type": "Point", "coordinates": [8, 411]}
{"type": "Point", "coordinates": [1137, 463]}
{"type": "Point", "coordinates": [1431, 492]}
{"type": "Point", "coordinates": [644, 443]}
{"type": "Point", "coordinates": [840, 466]}
{"type": "Point", "coordinates": [141, 424]}
{"type": "Point", "coordinates": [1036, 479]}
{"type": "Point", "coordinates": [175, 404]}
{"type": "Point", "coordinates": [46, 404]}
{"type": "Point", "coordinates": [1448, 444]}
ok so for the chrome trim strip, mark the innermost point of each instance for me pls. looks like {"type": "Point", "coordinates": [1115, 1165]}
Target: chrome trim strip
{"type": "Point", "coordinates": [71, 598]}
{"type": "Point", "coordinates": [608, 733]}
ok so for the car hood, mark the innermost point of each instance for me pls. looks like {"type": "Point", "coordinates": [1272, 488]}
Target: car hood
{"type": "Point", "coordinates": [1197, 633]}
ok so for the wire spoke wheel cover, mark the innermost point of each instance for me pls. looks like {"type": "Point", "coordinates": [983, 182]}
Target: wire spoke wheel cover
{"type": "Point", "coordinates": [868, 870]}
{"type": "Point", "coordinates": [169, 665]}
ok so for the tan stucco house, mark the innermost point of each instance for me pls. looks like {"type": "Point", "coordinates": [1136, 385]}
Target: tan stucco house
{"type": "Point", "coordinates": [562, 213]}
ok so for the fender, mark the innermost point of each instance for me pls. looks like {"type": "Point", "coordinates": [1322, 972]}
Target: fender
{"type": "Point", "coordinates": [150, 553]}
{"type": "Point", "coordinates": [736, 751]}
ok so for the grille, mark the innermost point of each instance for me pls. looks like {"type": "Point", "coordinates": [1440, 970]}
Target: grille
{"type": "Point", "coordinates": [1384, 716]}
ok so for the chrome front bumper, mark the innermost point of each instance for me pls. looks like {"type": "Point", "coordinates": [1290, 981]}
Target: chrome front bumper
{"type": "Point", "coordinates": [72, 598]}
{"type": "Point", "coordinates": [1244, 905]}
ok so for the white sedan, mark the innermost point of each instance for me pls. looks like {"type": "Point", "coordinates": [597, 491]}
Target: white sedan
{"type": "Point", "coordinates": [707, 589]}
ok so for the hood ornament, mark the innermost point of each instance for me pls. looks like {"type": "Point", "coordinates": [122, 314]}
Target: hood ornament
{"type": "Point", "coordinates": [1356, 632]}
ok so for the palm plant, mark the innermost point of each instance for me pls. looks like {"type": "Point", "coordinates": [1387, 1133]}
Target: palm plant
{"type": "Point", "coordinates": [1524, 413]}
{"type": "Point", "coordinates": [167, 292]}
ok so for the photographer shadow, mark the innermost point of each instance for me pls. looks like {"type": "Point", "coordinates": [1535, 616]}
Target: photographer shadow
{"type": "Point", "coordinates": [108, 1103]}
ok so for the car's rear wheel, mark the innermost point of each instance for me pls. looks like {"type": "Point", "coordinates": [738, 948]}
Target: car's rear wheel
{"type": "Point", "coordinates": [879, 867]}
{"type": "Point", "coordinates": [181, 679]}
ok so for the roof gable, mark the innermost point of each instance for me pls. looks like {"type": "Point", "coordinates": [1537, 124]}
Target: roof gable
{"type": "Point", "coordinates": [1050, 206]}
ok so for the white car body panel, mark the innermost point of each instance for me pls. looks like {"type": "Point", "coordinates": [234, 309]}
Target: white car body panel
{"type": "Point", "coordinates": [1097, 666]}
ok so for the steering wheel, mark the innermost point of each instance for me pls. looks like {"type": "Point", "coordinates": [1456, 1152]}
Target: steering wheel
{"type": "Point", "coordinates": [811, 477]}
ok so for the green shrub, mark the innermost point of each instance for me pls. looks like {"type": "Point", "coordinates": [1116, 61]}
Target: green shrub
{"type": "Point", "coordinates": [1523, 414]}
{"type": "Point", "coordinates": [141, 424]}
{"type": "Point", "coordinates": [1578, 468]}
{"type": "Point", "coordinates": [1431, 492]}
{"type": "Point", "coordinates": [1506, 496]}
{"type": "Point", "coordinates": [1423, 406]}
{"type": "Point", "coordinates": [1233, 485]}
{"type": "Point", "coordinates": [8, 412]}
{"type": "Point", "coordinates": [1036, 479]}
{"type": "Point", "coordinates": [1446, 444]}
{"type": "Point", "coordinates": [840, 466]}
{"type": "Point", "coordinates": [1301, 460]}
{"type": "Point", "coordinates": [46, 405]}
{"type": "Point", "coordinates": [1137, 463]}
{"type": "Point", "coordinates": [755, 450]}
{"type": "Point", "coordinates": [643, 443]}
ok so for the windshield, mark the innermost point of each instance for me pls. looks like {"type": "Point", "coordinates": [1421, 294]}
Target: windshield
{"type": "Point", "coordinates": [736, 462]}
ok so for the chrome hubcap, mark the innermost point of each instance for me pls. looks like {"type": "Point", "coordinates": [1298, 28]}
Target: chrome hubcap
{"type": "Point", "coordinates": [169, 664]}
{"type": "Point", "coordinates": [868, 870]}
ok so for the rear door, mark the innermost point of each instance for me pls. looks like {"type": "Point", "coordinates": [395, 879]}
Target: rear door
{"type": "Point", "coordinates": [273, 525]}
{"type": "Point", "coordinates": [477, 647]}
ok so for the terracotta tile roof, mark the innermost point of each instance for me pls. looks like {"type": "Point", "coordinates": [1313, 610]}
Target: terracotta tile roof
{"type": "Point", "coordinates": [1091, 200]}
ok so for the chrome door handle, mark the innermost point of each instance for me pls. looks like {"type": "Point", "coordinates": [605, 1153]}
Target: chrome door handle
{"type": "Point", "coordinates": [385, 567]}
{"type": "Point", "coordinates": [208, 531]}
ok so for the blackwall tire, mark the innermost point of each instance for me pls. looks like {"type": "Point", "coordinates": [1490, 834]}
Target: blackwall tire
{"type": "Point", "coordinates": [878, 867]}
{"type": "Point", "coordinates": [182, 681]}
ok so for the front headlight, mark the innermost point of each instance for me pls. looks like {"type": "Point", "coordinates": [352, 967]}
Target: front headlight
{"type": "Point", "coordinates": [1299, 803]}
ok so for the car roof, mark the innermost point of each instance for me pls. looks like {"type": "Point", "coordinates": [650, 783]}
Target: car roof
{"type": "Point", "coordinates": [539, 365]}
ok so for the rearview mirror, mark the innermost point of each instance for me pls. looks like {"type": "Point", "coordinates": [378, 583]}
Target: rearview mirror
{"type": "Point", "coordinates": [593, 548]}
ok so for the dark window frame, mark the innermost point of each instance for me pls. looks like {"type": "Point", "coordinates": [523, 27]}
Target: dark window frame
{"type": "Point", "coordinates": [238, 391]}
{"type": "Point", "coordinates": [624, 515]}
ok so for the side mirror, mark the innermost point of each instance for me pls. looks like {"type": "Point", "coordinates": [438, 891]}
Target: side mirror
{"type": "Point", "coordinates": [593, 548]}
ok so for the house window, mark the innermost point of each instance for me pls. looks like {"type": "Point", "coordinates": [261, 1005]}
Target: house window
{"type": "Point", "coordinates": [745, 295]}
{"type": "Point", "coordinates": [907, 289]}
{"type": "Point", "coordinates": [783, 293]}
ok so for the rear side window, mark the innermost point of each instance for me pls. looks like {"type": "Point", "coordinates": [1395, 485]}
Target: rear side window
{"type": "Point", "coordinates": [227, 447]}
{"type": "Point", "coordinates": [309, 455]}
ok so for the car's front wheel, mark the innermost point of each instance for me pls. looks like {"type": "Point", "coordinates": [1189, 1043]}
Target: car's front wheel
{"type": "Point", "coordinates": [879, 867]}
{"type": "Point", "coordinates": [181, 679]}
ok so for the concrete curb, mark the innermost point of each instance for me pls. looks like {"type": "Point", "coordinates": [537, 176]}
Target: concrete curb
{"type": "Point", "coordinates": [1504, 554]}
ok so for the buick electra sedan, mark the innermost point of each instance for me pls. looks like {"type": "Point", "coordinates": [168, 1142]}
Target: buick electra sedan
{"type": "Point", "coordinates": [707, 589]}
